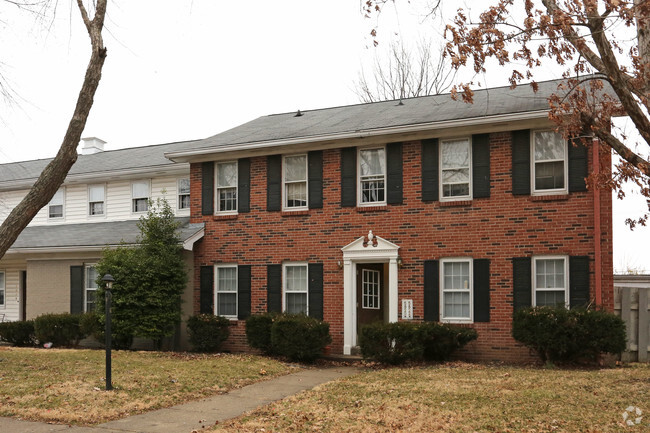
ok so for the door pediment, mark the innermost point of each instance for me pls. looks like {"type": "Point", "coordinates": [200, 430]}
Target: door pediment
{"type": "Point", "coordinates": [369, 247]}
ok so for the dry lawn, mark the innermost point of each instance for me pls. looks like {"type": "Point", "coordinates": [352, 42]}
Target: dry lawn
{"type": "Point", "coordinates": [458, 397]}
{"type": "Point", "coordinates": [67, 386]}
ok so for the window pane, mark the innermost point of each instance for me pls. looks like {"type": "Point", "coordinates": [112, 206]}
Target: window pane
{"type": "Point", "coordinates": [226, 304]}
{"type": "Point", "coordinates": [295, 168]}
{"type": "Point", "coordinates": [372, 190]}
{"type": "Point", "coordinates": [372, 162]}
{"type": "Point", "coordinates": [140, 204]}
{"type": "Point", "coordinates": [297, 194]}
{"type": "Point", "coordinates": [296, 279]}
{"type": "Point", "coordinates": [549, 145]}
{"type": "Point", "coordinates": [56, 211]}
{"type": "Point", "coordinates": [183, 186]}
{"type": "Point", "coordinates": [455, 154]}
{"type": "Point", "coordinates": [91, 277]}
{"type": "Point", "coordinates": [227, 199]}
{"type": "Point", "coordinates": [2, 280]}
{"type": "Point", "coordinates": [227, 174]}
{"type": "Point", "coordinates": [456, 304]}
{"type": "Point", "coordinates": [296, 303]}
{"type": "Point", "coordinates": [96, 208]}
{"type": "Point", "coordinates": [549, 175]}
{"type": "Point", "coordinates": [549, 274]}
{"type": "Point", "coordinates": [227, 279]}
{"type": "Point", "coordinates": [455, 190]}
{"type": "Point", "coordinates": [456, 275]}
{"type": "Point", "coordinates": [184, 201]}
{"type": "Point", "coordinates": [91, 300]}
{"type": "Point", "coordinates": [57, 199]}
{"type": "Point", "coordinates": [96, 193]}
{"type": "Point", "coordinates": [140, 190]}
{"type": "Point", "coordinates": [549, 298]}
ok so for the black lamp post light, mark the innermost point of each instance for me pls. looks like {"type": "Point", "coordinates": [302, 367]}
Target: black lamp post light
{"type": "Point", "coordinates": [109, 280]}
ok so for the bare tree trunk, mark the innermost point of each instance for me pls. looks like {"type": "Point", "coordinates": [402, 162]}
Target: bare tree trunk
{"type": "Point", "coordinates": [56, 171]}
{"type": "Point", "coordinates": [643, 36]}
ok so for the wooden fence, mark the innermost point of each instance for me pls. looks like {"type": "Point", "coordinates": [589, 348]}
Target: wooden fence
{"type": "Point", "coordinates": [631, 303]}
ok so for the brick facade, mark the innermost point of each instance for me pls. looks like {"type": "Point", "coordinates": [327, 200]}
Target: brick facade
{"type": "Point", "coordinates": [497, 228]}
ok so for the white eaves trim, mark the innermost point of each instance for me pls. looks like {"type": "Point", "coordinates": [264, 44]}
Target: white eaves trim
{"type": "Point", "coordinates": [187, 156]}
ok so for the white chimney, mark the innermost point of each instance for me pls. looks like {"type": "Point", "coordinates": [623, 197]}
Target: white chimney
{"type": "Point", "coordinates": [92, 145]}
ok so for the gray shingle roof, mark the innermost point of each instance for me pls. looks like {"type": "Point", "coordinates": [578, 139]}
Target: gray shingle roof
{"type": "Point", "coordinates": [111, 160]}
{"type": "Point", "coordinates": [366, 117]}
{"type": "Point", "coordinates": [90, 234]}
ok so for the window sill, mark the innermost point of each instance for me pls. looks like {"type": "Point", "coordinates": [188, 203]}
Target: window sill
{"type": "Point", "coordinates": [231, 216]}
{"type": "Point", "coordinates": [455, 203]}
{"type": "Point", "coordinates": [550, 197]}
{"type": "Point", "coordinates": [379, 208]}
{"type": "Point", "coordinates": [290, 213]}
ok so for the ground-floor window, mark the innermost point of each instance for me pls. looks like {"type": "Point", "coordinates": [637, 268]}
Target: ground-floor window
{"type": "Point", "coordinates": [295, 288]}
{"type": "Point", "coordinates": [2, 289]}
{"type": "Point", "coordinates": [456, 285]}
{"type": "Point", "coordinates": [226, 291]}
{"type": "Point", "coordinates": [91, 289]}
{"type": "Point", "coordinates": [550, 281]}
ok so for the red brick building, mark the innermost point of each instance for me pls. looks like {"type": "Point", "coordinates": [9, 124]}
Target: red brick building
{"type": "Point", "coordinates": [421, 209]}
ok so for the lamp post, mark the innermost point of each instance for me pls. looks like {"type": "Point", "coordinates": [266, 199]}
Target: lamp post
{"type": "Point", "coordinates": [108, 280]}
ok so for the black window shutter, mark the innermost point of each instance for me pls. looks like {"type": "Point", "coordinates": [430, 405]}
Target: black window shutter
{"type": "Point", "coordinates": [481, 165]}
{"type": "Point", "coordinates": [315, 174]}
{"type": "Point", "coordinates": [578, 281]}
{"type": "Point", "coordinates": [274, 288]}
{"type": "Point", "coordinates": [430, 169]}
{"type": "Point", "coordinates": [521, 162]}
{"type": "Point", "coordinates": [244, 185]}
{"type": "Point", "coordinates": [273, 182]}
{"type": "Point", "coordinates": [481, 290]}
{"type": "Point", "coordinates": [243, 291]}
{"type": "Point", "coordinates": [577, 166]}
{"type": "Point", "coordinates": [431, 291]}
{"type": "Point", "coordinates": [394, 173]}
{"type": "Point", "coordinates": [521, 283]}
{"type": "Point", "coordinates": [315, 271]}
{"type": "Point", "coordinates": [207, 188]}
{"type": "Point", "coordinates": [206, 295]}
{"type": "Point", "coordinates": [349, 177]}
{"type": "Point", "coordinates": [76, 289]}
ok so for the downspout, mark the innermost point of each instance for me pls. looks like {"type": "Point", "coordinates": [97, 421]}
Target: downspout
{"type": "Point", "coordinates": [597, 226]}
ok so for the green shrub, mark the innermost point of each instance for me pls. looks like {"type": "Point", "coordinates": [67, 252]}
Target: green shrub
{"type": "Point", "coordinates": [399, 342]}
{"type": "Point", "coordinates": [299, 337]}
{"type": "Point", "coordinates": [391, 343]}
{"type": "Point", "coordinates": [59, 329]}
{"type": "Point", "coordinates": [258, 331]}
{"type": "Point", "coordinates": [207, 332]}
{"type": "Point", "coordinates": [90, 325]}
{"type": "Point", "coordinates": [439, 341]}
{"type": "Point", "coordinates": [560, 335]}
{"type": "Point", "coordinates": [19, 334]}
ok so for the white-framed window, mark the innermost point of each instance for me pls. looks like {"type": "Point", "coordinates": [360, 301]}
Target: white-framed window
{"type": "Point", "coordinates": [455, 169]}
{"type": "Point", "coordinates": [370, 289]}
{"type": "Point", "coordinates": [90, 292]}
{"type": "Point", "coordinates": [549, 170]}
{"type": "Point", "coordinates": [456, 290]}
{"type": "Point", "coordinates": [226, 191]}
{"type": "Point", "coordinates": [372, 176]}
{"type": "Point", "coordinates": [294, 177]}
{"type": "Point", "coordinates": [550, 281]}
{"type": "Point", "coordinates": [140, 196]}
{"type": "Point", "coordinates": [2, 289]}
{"type": "Point", "coordinates": [96, 200]}
{"type": "Point", "coordinates": [225, 291]}
{"type": "Point", "coordinates": [295, 288]}
{"type": "Point", "coordinates": [56, 206]}
{"type": "Point", "coordinates": [184, 193]}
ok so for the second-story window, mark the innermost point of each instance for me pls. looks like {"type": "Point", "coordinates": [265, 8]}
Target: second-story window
{"type": "Point", "coordinates": [372, 176]}
{"type": "Point", "coordinates": [55, 207]}
{"type": "Point", "coordinates": [140, 196]}
{"type": "Point", "coordinates": [295, 182]}
{"type": "Point", "coordinates": [227, 186]}
{"type": "Point", "coordinates": [455, 157]}
{"type": "Point", "coordinates": [549, 162]}
{"type": "Point", "coordinates": [184, 193]}
{"type": "Point", "coordinates": [96, 200]}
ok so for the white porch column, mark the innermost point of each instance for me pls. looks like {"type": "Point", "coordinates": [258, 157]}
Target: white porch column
{"type": "Point", "coordinates": [392, 290]}
{"type": "Point", "coordinates": [349, 307]}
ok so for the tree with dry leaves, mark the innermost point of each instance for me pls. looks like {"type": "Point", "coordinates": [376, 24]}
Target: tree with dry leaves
{"type": "Point", "coordinates": [405, 73]}
{"type": "Point", "coordinates": [596, 43]}
{"type": "Point", "coordinates": [56, 171]}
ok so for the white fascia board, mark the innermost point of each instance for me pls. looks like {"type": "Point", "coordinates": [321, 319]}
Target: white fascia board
{"type": "Point", "coordinates": [89, 248]}
{"type": "Point", "coordinates": [195, 155]}
{"type": "Point", "coordinates": [188, 244]}
{"type": "Point", "coordinates": [106, 176]}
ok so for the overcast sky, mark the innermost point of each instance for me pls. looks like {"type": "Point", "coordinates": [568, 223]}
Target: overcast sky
{"type": "Point", "coordinates": [181, 70]}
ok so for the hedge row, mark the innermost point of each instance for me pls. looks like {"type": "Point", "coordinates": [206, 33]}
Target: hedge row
{"type": "Point", "coordinates": [62, 330]}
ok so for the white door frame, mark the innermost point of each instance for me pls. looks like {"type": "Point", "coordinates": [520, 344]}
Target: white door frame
{"type": "Point", "coordinates": [366, 249]}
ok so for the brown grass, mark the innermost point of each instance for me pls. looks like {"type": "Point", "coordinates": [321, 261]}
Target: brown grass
{"type": "Point", "coordinates": [67, 386]}
{"type": "Point", "coordinates": [459, 397]}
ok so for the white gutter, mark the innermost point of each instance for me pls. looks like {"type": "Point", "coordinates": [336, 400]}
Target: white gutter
{"type": "Point", "coordinates": [393, 130]}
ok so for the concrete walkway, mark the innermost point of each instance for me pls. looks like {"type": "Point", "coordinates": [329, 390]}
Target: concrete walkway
{"type": "Point", "coordinates": [199, 414]}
